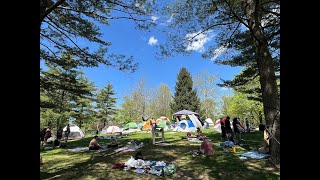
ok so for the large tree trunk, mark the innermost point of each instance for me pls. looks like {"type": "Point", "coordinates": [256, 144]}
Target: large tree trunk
{"type": "Point", "coordinates": [270, 96]}
{"type": "Point", "coordinates": [43, 7]}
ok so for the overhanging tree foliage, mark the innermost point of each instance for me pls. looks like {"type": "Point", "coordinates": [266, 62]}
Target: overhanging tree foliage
{"type": "Point", "coordinates": [64, 22]}
{"type": "Point", "coordinates": [196, 20]}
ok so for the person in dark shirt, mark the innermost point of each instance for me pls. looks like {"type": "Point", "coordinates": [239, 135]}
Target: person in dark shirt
{"type": "Point", "coordinates": [228, 127]}
{"type": "Point", "coordinates": [247, 124]}
{"type": "Point", "coordinates": [59, 133]}
{"type": "Point", "coordinates": [236, 124]}
{"type": "Point", "coordinates": [223, 128]}
{"type": "Point", "coordinates": [66, 133]}
{"type": "Point", "coordinates": [42, 133]}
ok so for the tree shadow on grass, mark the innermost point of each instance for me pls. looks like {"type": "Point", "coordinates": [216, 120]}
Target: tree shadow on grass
{"type": "Point", "coordinates": [222, 165]}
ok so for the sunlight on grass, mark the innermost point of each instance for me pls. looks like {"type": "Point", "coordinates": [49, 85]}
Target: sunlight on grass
{"type": "Point", "coordinates": [59, 164]}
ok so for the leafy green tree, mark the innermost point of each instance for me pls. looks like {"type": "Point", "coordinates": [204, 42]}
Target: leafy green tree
{"type": "Point", "coordinates": [160, 105]}
{"type": "Point", "coordinates": [185, 97]}
{"type": "Point", "coordinates": [226, 105]}
{"type": "Point", "coordinates": [204, 84]}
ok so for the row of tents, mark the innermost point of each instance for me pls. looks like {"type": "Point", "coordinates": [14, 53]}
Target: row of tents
{"type": "Point", "coordinates": [189, 124]}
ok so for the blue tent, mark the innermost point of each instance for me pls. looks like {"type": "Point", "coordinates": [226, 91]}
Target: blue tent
{"type": "Point", "coordinates": [185, 126]}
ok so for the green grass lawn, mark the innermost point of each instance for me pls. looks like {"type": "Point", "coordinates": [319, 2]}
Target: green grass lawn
{"type": "Point", "coordinates": [59, 164]}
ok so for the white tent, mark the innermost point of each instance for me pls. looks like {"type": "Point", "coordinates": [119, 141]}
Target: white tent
{"type": "Point", "coordinates": [75, 132]}
{"type": "Point", "coordinates": [195, 121]}
{"type": "Point", "coordinates": [217, 126]}
{"type": "Point", "coordinates": [209, 121]}
{"type": "Point", "coordinates": [185, 126]}
{"type": "Point", "coordinates": [110, 130]}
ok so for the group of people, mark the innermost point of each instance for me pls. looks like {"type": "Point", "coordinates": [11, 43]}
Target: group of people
{"type": "Point", "coordinates": [46, 133]}
{"type": "Point", "coordinates": [226, 130]}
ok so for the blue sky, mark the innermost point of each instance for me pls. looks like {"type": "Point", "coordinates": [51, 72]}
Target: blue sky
{"type": "Point", "coordinates": [127, 40]}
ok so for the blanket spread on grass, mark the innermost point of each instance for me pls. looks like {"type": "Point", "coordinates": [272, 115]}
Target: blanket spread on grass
{"type": "Point", "coordinates": [79, 149]}
{"type": "Point", "coordinates": [254, 155]}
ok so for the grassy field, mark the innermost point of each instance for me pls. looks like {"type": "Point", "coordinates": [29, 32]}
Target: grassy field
{"type": "Point", "coordinates": [59, 164]}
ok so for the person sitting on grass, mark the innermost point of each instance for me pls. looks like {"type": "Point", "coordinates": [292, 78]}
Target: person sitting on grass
{"type": "Point", "coordinates": [206, 147]}
{"type": "Point", "coordinates": [47, 135]}
{"type": "Point", "coordinates": [266, 142]}
{"type": "Point", "coordinates": [94, 145]}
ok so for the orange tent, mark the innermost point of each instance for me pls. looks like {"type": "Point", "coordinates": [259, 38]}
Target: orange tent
{"type": "Point", "coordinates": [147, 125]}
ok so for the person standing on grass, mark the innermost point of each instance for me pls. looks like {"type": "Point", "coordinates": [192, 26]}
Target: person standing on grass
{"type": "Point", "coordinates": [247, 124]}
{"type": "Point", "coordinates": [223, 128]}
{"type": "Point", "coordinates": [228, 128]}
{"type": "Point", "coordinates": [59, 133]}
{"type": "Point", "coordinates": [42, 133]}
{"type": "Point", "coordinates": [236, 124]}
{"type": "Point", "coordinates": [66, 133]}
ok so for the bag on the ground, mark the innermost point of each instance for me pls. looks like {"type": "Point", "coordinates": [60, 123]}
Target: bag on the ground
{"type": "Point", "coordinates": [138, 155]}
{"type": "Point", "coordinates": [169, 169]}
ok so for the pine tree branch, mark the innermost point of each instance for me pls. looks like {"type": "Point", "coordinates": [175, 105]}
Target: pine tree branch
{"type": "Point", "coordinates": [49, 10]}
{"type": "Point", "coordinates": [49, 49]}
{"type": "Point", "coordinates": [101, 16]}
{"type": "Point", "coordinates": [68, 38]}
{"type": "Point", "coordinates": [208, 28]}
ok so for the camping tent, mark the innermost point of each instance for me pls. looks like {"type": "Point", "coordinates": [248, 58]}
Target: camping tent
{"type": "Point", "coordinates": [163, 124]}
{"type": "Point", "coordinates": [209, 121]}
{"type": "Point", "coordinates": [75, 132]}
{"type": "Point", "coordinates": [217, 126]}
{"type": "Point", "coordinates": [195, 120]}
{"type": "Point", "coordinates": [130, 127]}
{"type": "Point", "coordinates": [185, 126]}
{"type": "Point", "coordinates": [164, 118]}
{"type": "Point", "coordinates": [140, 125]}
{"type": "Point", "coordinates": [111, 130]}
{"type": "Point", "coordinates": [147, 125]}
{"type": "Point", "coordinates": [184, 112]}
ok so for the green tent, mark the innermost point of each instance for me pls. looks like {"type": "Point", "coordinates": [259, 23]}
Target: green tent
{"type": "Point", "coordinates": [131, 125]}
{"type": "Point", "coordinates": [162, 123]}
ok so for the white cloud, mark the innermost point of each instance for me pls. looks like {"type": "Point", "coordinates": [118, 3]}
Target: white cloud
{"type": "Point", "coordinates": [198, 41]}
{"type": "Point", "coordinates": [154, 18]}
{"type": "Point", "coordinates": [140, 6]}
{"type": "Point", "coordinates": [170, 19]}
{"type": "Point", "coordinates": [152, 41]}
{"type": "Point", "coordinates": [222, 49]}
{"type": "Point", "coordinates": [224, 88]}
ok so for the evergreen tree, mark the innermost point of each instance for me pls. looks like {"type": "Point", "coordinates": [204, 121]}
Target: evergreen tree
{"type": "Point", "coordinates": [60, 90]}
{"type": "Point", "coordinates": [106, 103]}
{"type": "Point", "coordinates": [185, 97]}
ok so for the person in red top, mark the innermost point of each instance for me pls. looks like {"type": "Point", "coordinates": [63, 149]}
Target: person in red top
{"type": "Point", "coordinates": [223, 129]}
